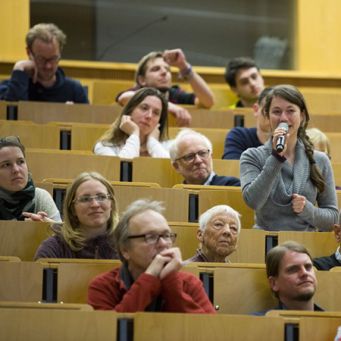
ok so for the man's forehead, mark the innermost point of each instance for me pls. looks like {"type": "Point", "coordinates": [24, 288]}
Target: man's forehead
{"type": "Point", "coordinates": [192, 143]}
{"type": "Point", "coordinates": [246, 73]}
{"type": "Point", "coordinates": [292, 258]}
{"type": "Point", "coordinates": [148, 218]}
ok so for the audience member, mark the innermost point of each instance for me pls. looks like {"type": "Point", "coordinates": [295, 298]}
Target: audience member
{"type": "Point", "coordinates": [149, 279]}
{"type": "Point", "coordinates": [19, 198]}
{"type": "Point", "coordinates": [39, 78]}
{"type": "Point", "coordinates": [320, 140]}
{"type": "Point", "coordinates": [239, 139]}
{"type": "Point", "coordinates": [245, 80]}
{"type": "Point", "coordinates": [290, 186]}
{"type": "Point", "coordinates": [140, 130]}
{"type": "Point", "coordinates": [219, 229]}
{"type": "Point", "coordinates": [191, 156]}
{"type": "Point", "coordinates": [328, 262]}
{"type": "Point", "coordinates": [154, 71]}
{"type": "Point", "coordinates": [292, 278]}
{"type": "Point", "coordinates": [90, 216]}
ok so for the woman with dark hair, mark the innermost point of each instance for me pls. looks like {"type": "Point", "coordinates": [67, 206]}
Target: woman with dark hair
{"type": "Point", "coordinates": [140, 130]}
{"type": "Point", "coordinates": [288, 184]}
{"type": "Point", "coordinates": [19, 198]}
{"type": "Point", "coordinates": [90, 217]}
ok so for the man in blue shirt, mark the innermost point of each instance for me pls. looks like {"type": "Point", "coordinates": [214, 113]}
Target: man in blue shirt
{"type": "Point", "coordinates": [239, 139]}
{"type": "Point", "coordinates": [39, 78]}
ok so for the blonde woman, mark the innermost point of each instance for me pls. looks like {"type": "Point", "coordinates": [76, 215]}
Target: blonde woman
{"type": "Point", "coordinates": [90, 216]}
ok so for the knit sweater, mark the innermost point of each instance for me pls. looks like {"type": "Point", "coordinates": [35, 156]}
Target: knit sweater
{"type": "Point", "coordinates": [268, 185]}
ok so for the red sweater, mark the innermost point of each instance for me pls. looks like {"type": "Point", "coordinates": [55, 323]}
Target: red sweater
{"type": "Point", "coordinates": [181, 292]}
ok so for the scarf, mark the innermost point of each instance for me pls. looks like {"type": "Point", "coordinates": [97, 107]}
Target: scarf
{"type": "Point", "coordinates": [12, 204]}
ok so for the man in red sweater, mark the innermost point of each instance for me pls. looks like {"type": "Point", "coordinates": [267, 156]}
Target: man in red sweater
{"type": "Point", "coordinates": [149, 278]}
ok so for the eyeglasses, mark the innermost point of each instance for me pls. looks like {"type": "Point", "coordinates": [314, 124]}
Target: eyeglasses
{"type": "Point", "coordinates": [87, 199]}
{"type": "Point", "coordinates": [9, 139]}
{"type": "Point", "coordinates": [42, 61]}
{"type": "Point", "coordinates": [152, 238]}
{"type": "Point", "coordinates": [203, 154]}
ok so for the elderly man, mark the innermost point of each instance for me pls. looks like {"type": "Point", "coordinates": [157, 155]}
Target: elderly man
{"type": "Point", "coordinates": [39, 78]}
{"type": "Point", "coordinates": [154, 71]}
{"type": "Point", "coordinates": [238, 139]}
{"type": "Point", "coordinates": [149, 279]}
{"type": "Point", "coordinates": [291, 276]}
{"type": "Point", "coordinates": [328, 262]}
{"type": "Point", "coordinates": [218, 233]}
{"type": "Point", "coordinates": [245, 80]}
{"type": "Point", "coordinates": [191, 156]}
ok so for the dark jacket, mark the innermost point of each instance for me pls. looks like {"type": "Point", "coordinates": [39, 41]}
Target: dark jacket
{"type": "Point", "coordinates": [326, 263]}
{"type": "Point", "coordinates": [224, 181]}
{"type": "Point", "coordinates": [21, 88]}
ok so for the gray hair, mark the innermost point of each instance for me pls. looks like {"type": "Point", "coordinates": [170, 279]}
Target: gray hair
{"type": "Point", "coordinates": [121, 232]}
{"type": "Point", "coordinates": [210, 213]}
{"type": "Point", "coordinates": [183, 134]}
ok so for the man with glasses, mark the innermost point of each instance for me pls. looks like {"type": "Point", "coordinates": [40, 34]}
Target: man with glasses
{"type": "Point", "coordinates": [39, 78]}
{"type": "Point", "coordinates": [191, 156]}
{"type": "Point", "coordinates": [149, 278]}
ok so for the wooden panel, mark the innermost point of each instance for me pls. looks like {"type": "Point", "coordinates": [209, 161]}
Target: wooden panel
{"type": "Point", "coordinates": [328, 290]}
{"type": "Point", "coordinates": [42, 112]}
{"type": "Point", "coordinates": [318, 243]}
{"type": "Point", "coordinates": [318, 328]}
{"type": "Point", "coordinates": [170, 327]}
{"type": "Point", "coordinates": [21, 281]}
{"type": "Point", "coordinates": [65, 164]}
{"type": "Point", "coordinates": [32, 135]}
{"type": "Point", "coordinates": [74, 279]}
{"type": "Point", "coordinates": [22, 238]}
{"type": "Point", "coordinates": [250, 293]}
{"type": "Point", "coordinates": [56, 325]}
{"type": "Point", "coordinates": [226, 195]}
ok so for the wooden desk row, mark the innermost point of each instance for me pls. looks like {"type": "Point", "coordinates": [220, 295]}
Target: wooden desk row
{"type": "Point", "coordinates": [21, 239]}
{"type": "Point", "coordinates": [232, 288]}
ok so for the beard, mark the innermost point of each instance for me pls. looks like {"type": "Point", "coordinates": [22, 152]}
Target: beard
{"type": "Point", "coordinates": [305, 296]}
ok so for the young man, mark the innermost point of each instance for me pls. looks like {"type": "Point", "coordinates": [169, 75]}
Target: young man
{"type": "Point", "coordinates": [218, 233]}
{"type": "Point", "coordinates": [239, 139]}
{"type": "Point", "coordinates": [154, 71]}
{"type": "Point", "coordinates": [291, 276]}
{"type": "Point", "coordinates": [150, 278]}
{"type": "Point", "coordinates": [191, 156]}
{"type": "Point", "coordinates": [39, 78]}
{"type": "Point", "coordinates": [328, 262]}
{"type": "Point", "coordinates": [244, 78]}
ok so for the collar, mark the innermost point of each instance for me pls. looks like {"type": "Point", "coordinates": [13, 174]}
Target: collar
{"type": "Point", "coordinates": [338, 255]}
{"type": "Point", "coordinates": [209, 179]}
{"type": "Point", "coordinates": [281, 306]}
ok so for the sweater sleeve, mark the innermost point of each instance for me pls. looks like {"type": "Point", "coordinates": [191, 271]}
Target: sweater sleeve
{"type": "Point", "coordinates": [16, 88]}
{"type": "Point", "coordinates": [256, 179]}
{"type": "Point", "coordinates": [156, 148]}
{"type": "Point", "coordinates": [234, 145]}
{"type": "Point", "coordinates": [129, 150]}
{"type": "Point", "coordinates": [49, 248]}
{"type": "Point", "coordinates": [44, 202]}
{"type": "Point", "coordinates": [325, 214]}
{"type": "Point", "coordinates": [184, 293]}
{"type": "Point", "coordinates": [106, 292]}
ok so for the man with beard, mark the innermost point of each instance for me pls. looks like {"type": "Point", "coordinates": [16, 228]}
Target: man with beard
{"type": "Point", "coordinates": [149, 278]}
{"type": "Point", "coordinates": [292, 278]}
{"type": "Point", "coordinates": [153, 70]}
{"type": "Point", "coordinates": [39, 78]}
{"type": "Point", "coordinates": [191, 156]}
{"type": "Point", "coordinates": [218, 233]}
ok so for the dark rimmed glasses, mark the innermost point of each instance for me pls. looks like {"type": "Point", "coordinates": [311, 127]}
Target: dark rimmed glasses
{"type": "Point", "coordinates": [188, 158]}
{"type": "Point", "coordinates": [153, 238]}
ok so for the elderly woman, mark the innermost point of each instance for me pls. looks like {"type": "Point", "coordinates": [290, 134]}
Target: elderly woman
{"type": "Point", "coordinates": [90, 216]}
{"type": "Point", "coordinates": [140, 130]}
{"type": "Point", "coordinates": [288, 183]}
{"type": "Point", "coordinates": [19, 198]}
{"type": "Point", "coordinates": [218, 233]}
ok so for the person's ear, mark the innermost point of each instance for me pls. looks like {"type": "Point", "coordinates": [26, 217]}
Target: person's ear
{"type": "Point", "coordinates": [273, 283]}
{"type": "Point", "coordinates": [29, 53]}
{"type": "Point", "coordinates": [255, 107]}
{"type": "Point", "coordinates": [141, 81]}
{"type": "Point", "coordinates": [125, 252]}
{"type": "Point", "coordinates": [200, 235]}
{"type": "Point", "coordinates": [176, 166]}
{"type": "Point", "coordinates": [337, 232]}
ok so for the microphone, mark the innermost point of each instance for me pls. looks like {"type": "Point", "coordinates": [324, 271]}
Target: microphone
{"type": "Point", "coordinates": [281, 139]}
